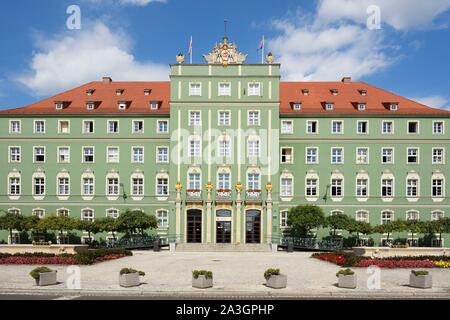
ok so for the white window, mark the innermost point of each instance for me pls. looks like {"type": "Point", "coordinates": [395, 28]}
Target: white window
{"type": "Point", "coordinates": [138, 126]}
{"type": "Point", "coordinates": [138, 155]}
{"type": "Point", "coordinates": [163, 126]}
{"type": "Point", "coordinates": [195, 118]}
{"type": "Point", "coordinates": [412, 216]}
{"type": "Point", "coordinates": [64, 127]}
{"type": "Point", "coordinates": [224, 89]}
{"type": "Point", "coordinates": [437, 187]}
{"type": "Point", "coordinates": [413, 155]}
{"type": "Point", "coordinates": [253, 181]}
{"type": "Point", "coordinates": [361, 106]}
{"type": "Point", "coordinates": [39, 186]}
{"type": "Point", "coordinates": [39, 154]}
{"type": "Point", "coordinates": [88, 127]}
{"type": "Point", "coordinates": [63, 154]}
{"type": "Point", "coordinates": [137, 186]}
{"type": "Point", "coordinates": [393, 106]}
{"type": "Point", "coordinates": [387, 187]}
{"type": "Point", "coordinates": [122, 105]}
{"type": "Point", "coordinates": [437, 215]}
{"type": "Point", "coordinates": [162, 155]}
{"type": "Point", "coordinates": [113, 126]}
{"type": "Point", "coordinates": [337, 155]}
{"type": "Point", "coordinates": [362, 127]}
{"type": "Point", "coordinates": [224, 181]}
{"type": "Point", "coordinates": [63, 213]}
{"type": "Point", "coordinates": [14, 154]}
{"type": "Point", "coordinates": [40, 213]}
{"type": "Point", "coordinates": [388, 127]}
{"type": "Point", "coordinates": [412, 187]}
{"type": "Point", "coordinates": [329, 106]}
{"type": "Point", "coordinates": [163, 219]}
{"type": "Point", "coordinates": [362, 216]}
{"type": "Point", "coordinates": [286, 155]}
{"type": "Point", "coordinates": [337, 187]}
{"type": "Point", "coordinates": [254, 89]}
{"type": "Point", "coordinates": [253, 147]}
{"type": "Point", "coordinates": [311, 156]}
{"type": "Point", "coordinates": [286, 187]}
{"type": "Point", "coordinates": [287, 127]}
{"type": "Point", "coordinates": [362, 156]}
{"type": "Point", "coordinates": [387, 155]}
{"type": "Point", "coordinates": [312, 127]}
{"type": "Point", "coordinates": [253, 118]}
{"type": "Point", "coordinates": [15, 126]}
{"type": "Point", "coordinates": [387, 216]}
{"type": "Point", "coordinates": [297, 106]}
{"type": "Point", "coordinates": [194, 181]}
{"type": "Point", "coordinates": [362, 187]}
{"type": "Point", "coordinates": [90, 105]}
{"type": "Point", "coordinates": [194, 146]}
{"type": "Point", "coordinates": [154, 105]}
{"type": "Point", "coordinates": [39, 126]}
{"type": "Point", "coordinates": [283, 219]}
{"type": "Point", "coordinates": [112, 213]}
{"type": "Point", "coordinates": [162, 187]}
{"type": "Point", "coordinates": [113, 155]}
{"type": "Point", "coordinates": [87, 215]}
{"type": "Point", "coordinates": [195, 89]}
{"type": "Point", "coordinates": [14, 186]}
{"type": "Point", "coordinates": [112, 186]}
{"type": "Point", "coordinates": [438, 127]}
{"type": "Point", "coordinates": [88, 186]}
{"type": "Point", "coordinates": [413, 127]}
{"type": "Point", "coordinates": [63, 186]}
{"type": "Point", "coordinates": [224, 118]}
{"type": "Point", "coordinates": [88, 154]}
{"type": "Point", "coordinates": [224, 147]}
{"type": "Point", "coordinates": [337, 127]}
{"type": "Point", "coordinates": [311, 187]}
{"type": "Point", "coordinates": [438, 156]}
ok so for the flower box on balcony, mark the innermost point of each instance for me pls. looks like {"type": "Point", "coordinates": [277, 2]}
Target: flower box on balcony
{"type": "Point", "coordinates": [254, 194]}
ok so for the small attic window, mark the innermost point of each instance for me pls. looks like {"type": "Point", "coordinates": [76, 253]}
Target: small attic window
{"type": "Point", "coordinates": [90, 105]}
{"type": "Point", "coordinates": [363, 92]}
{"type": "Point", "coordinates": [393, 106]}
{"type": "Point", "coordinates": [334, 92]}
{"type": "Point", "coordinates": [361, 106]}
{"type": "Point", "coordinates": [305, 92]}
{"type": "Point", "coordinates": [122, 105]}
{"type": "Point", "coordinates": [147, 92]}
{"type": "Point", "coordinates": [59, 105]}
{"type": "Point", "coordinates": [154, 105]}
{"type": "Point", "coordinates": [297, 106]}
{"type": "Point", "coordinates": [329, 106]}
{"type": "Point", "coordinates": [90, 92]}
{"type": "Point", "coordinates": [119, 92]}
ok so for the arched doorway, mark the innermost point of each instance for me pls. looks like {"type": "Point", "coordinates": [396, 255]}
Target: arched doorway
{"type": "Point", "coordinates": [253, 226]}
{"type": "Point", "coordinates": [223, 226]}
{"type": "Point", "coordinates": [194, 226]}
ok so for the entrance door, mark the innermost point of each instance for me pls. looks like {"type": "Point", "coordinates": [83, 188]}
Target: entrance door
{"type": "Point", "coordinates": [223, 226]}
{"type": "Point", "coordinates": [253, 226]}
{"type": "Point", "coordinates": [194, 226]}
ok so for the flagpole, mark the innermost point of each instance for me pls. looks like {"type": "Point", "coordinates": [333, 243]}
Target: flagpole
{"type": "Point", "coordinates": [263, 50]}
{"type": "Point", "coordinates": [192, 49]}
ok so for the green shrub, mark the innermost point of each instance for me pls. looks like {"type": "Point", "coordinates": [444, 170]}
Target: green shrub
{"type": "Point", "coordinates": [130, 270]}
{"type": "Point", "coordinates": [197, 273]}
{"type": "Point", "coordinates": [35, 272]}
{"type": "Point", "coordinates": [345, 272]}
{"type": "Point", "coordinates": [271, 272]}
{"type": "Point", "coordinates": [420, 272]}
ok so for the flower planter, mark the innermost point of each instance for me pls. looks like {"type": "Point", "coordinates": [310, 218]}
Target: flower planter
{"type": "Point", "coordinates": [129, 280]}
{"type": "Point", "coordinates": [422, 281]}
{"type": "Point", "coordinates": [277, 281]}
{"type": "Point", "coordinates": [46, 279]}
{"type": "Point", "coordinates": [347, 281]}
{"type": "Point", "coordinates": [202, 282]}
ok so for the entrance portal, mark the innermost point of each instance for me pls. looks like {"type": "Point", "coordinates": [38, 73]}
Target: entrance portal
{"type": "Point", "coordinates": [194, 226]}
{"type": "Point", "coordinates": [223, 226]}
{"type": "Point", "coordinates": [253, 226]}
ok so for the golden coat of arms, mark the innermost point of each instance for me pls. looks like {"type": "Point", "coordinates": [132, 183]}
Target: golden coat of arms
{"type": "Point", "coordinates": [225, 53]}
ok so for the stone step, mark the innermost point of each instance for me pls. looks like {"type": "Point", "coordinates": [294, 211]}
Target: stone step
{"type": "Point", "coordinates": [219, 247]}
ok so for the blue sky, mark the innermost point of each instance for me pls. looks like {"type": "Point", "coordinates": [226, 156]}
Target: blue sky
{"type": "Point", "coordinates": [137, 39]}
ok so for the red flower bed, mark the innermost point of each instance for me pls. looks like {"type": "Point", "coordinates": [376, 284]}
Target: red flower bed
{"type": "Point", "coordinates": [336, 259]}
{"type": "Point", "coordinates": [387, 263]}
{"type": "Point", "coordinates": [39, 260]}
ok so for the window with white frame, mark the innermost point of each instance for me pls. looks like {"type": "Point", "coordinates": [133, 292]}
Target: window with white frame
{"type": "Point", "coordinates": [14, 211]}
{"type": "Point", "coordinates": [88, 126]}
{"type": "Point", "coordinates": [112, 213]}
{"type": "Point", "coordinates": [312, 127]}
{"type": "Point", "coordinates": [112, 186]}
{"type": "Point", "coordinates": [195, 118]}
{"type": "Point", "coordinates": [195, 146]}
{"type": "Point", "coordinates": [437, 215]}
{"type": "Point", "coordinates": [87, 215]}
{"type": "Point", "coordinates": [253, 147]}
{"type": "Point", "coordinates": [39, 154]}
{"type": "Point", "coordinates": [287, 155]}
{"type": "Point", "coordinates": [224, 89]}
{"type": "Point", "coordinates": [283, 219]}
{"type": "Point", "coordinates": [438, 156]}
{"type": "Point", "coordinates": [224, 147]}
{"type": "Point", "coordinates": [286, 189]}
{"type": "Point", "coordinates": [362, 127]}
{"type": "Point", "coordinates": [337, 127]}
{"type": "Point", "coordinates": [253, 118]}
{"type": "Point", "coordinates": [337, 155]}
{"type": "Point", "coordinates": [137, 186]}
{"type": "Point", "coordinates": [387, 155]}
{"type": "Point", "coordinates": [194, 180]}
{"type": "Point", "coordinates": [438, 127]}
{"type": "Point", "coordinates": [437, 189]}
{"type": "Point", "coordinates": [388, 127]}
{"type": "Point", "coordinates": [163, 219]}
{"type": "Point", "coordinates": [413, 155]}
{"type": "Point", "coordinates": [195, 89]}
{"type": "Point", "coordinates": [40, 213]}
{"type": "Point", "coordinates": [14, 154]}
{"type": "Point", "coordinates": [162, 155]}
{"type": "Point", "coordinates": [63, 186]}
{"type": "Point", "coordinates": [113, 126]}
{"type": "Point", "coordinates": [88, 186]}
{"type": "Point", "coordinates": [63, 213]}
{"type": "Point", "coordinates": [64, 126]}
{"type": "Point", "coordinates": [90, 105]}
{"type": "Point", "coordinates": [311, 187]}
{"type": "Point", "coordinates": [412, 187]}
{"type": "Point", "coordinates": [412, 216]}
{"type": "Point", "coordinates": [413, 127]}
{"type": "Point", "coordinates": [253, 181]}
{"type": "Point", "coordinates": [254, 89]}
{"type": "Point", "coordinates": [137, 154]}
{"type": "Point", "coordinates": [311, 156]}
{"type": "Point", "coordinates": [63, 154]}
{"type": "Point", "coordinates": [362, 186]}
{"type": "Point", "coordinates": [39, 126]}
{"type": "Point", "coordinates": [387, 216]}
{"type": "Point", "coordinates": [88, 154]}
{"type": "Point", "coordinates": [362, 216]}
{"type": "Point", "coordinates": [38, 186]}
{"type": "Point", "coordinates": [287, 127]}
{"type": "Point", "coordinates": [14, 186]}
{"type": "Point", "coordinates": [162, 186]}
{"type": "Point", "coordinates": [362, 156]}
{"type": "Point", "coordinates": [337, 187]}
{"type": "Point", "coordinates": [223, 180]}
{"type": "Point", "coordinates": [361, 106]}
{"type": "Point", "coordinates": [163, 126]}
{"type": "Point", "coordinates": [112, 154]}
{"type": "Point", "coordinates": [138, 126]}
{"type": "Point", "coordinates": [15, 126]}
{"type": "Point", "coordinates": [224, 118]}
{"type": "Point", "coordinates": [387, 187]}
{"type": "Point", "coordinates": [329, 106]}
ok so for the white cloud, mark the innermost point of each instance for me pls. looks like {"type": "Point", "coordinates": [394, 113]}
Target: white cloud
{"type": "Point", "coordinates": [138, 3]}
{"type": "Point", "coordinates": [75, 58]}
{"type": "Point", "coordinates": [436, 101]}
{"type": "Point", "coordinates": [399, 14]}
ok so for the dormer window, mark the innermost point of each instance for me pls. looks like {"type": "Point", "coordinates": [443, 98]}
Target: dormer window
{"type": "Point", "coordinates": [154, 105]}
{"type": "Point", "coordinates": [393, 106]}
{"type": "Point", "coordinates": [122, 105]}
{"type": "Point", "coordinates": [363, 92]}
{"type": "Point", "coordinates": [361, 106]}
{"type": "Point", "coordinates": [90, 105]}
{"type": "Point", "coordinates": [305, 92]}
{"type": "Point", "coordinates": [90, 92]}
{"type": "Point", "coordinates": [297, 106]}
{"type": "Point", "coordinates": [147, 92]}
{"type": "Point", "coordinates": [59, 105]}
{"type": "Point", "coordinates": [119, 92]}
{"type": "Point", "coordinates": [334, 92]}
{"type": "Point", "coordinates": [329, 106]}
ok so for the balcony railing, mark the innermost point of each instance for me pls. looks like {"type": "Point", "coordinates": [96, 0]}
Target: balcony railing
{"type": "Point", "coordinates": [223, 195]}
{"type": "Point", "coordinates": [253, 196]}
{"type": "Point", "coordinates": [193, 195]}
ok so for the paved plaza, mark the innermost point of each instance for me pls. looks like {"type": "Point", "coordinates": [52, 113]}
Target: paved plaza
{"type": "Point", "coordinates": [168, 275]}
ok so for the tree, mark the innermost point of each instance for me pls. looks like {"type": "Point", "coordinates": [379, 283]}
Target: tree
{"type": "Point", "coordinates": [338, 221]}
{"type": "Point", "coordinates": [439, 226]}
{"type": "Point", "coordinates": [88, 226]}
{"type": "Point", "coordinates": [302, 219]}
{"type": "Point", "coordinates": [414, 227]}
{"type": "Point", "coordinates": [135, 222]}
{"type": "Point", "coordinates": [108, 224]}
{"type": "Point", "coordinates": [359, 227]}
{"type": "Point", "coordinates": [57, 223]}
{"type": "Point", "coordinates": [390, 227]}
{"type": "Point", "coordinates": [11, 222]}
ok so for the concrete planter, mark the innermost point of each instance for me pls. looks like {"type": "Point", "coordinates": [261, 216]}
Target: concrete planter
{"type": "Point", "coordinates": [347, 281]}
{"type": "Point", "coordinates": [129, 280]}
{"type": "Point", "coordinates": [202, 282]}
{"type": "Point", "coordinates": [277, 281]}
{"type": "Point", "coordinates": [422, 282]}
{"type": "Point", "coordinates": [46, 279]}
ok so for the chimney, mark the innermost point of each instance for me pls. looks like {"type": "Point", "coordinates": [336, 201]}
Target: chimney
{"type": "Point", "coordinates": [107, 80]}
{"type": "Point", "coordinates": [347, 80]}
